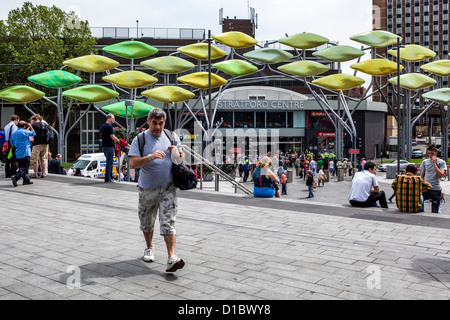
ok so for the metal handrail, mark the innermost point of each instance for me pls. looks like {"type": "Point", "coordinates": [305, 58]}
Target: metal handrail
{"type": "Point", "coordinates": [214, 168]}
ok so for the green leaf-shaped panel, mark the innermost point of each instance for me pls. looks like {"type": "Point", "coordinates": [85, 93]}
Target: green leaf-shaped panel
{"type": "Point", "coordinates": [131, 79]}
{"type": "Point", "coordinates": [441, 96]}
{"type": "Point", "coordinates": [413, 53]}
{"type": "Point", "coordinates": [235, 39]}
{"type": "Point", "coordinates": [439, 67]}
{"type": "Point", "coordinates": [168, 94]}
{"type": "Point", "coordinates": [91, 93]}
{"type": "Point", "coordinates": [376, 67]}
{"type": "Point", "coordinates": [200, 80]}
{"type": "Point", "coordinates": [304, 41]}
{"type": "Point", "coordinates": [376, 38]}
{"type": "Point", "coordinates": [339, 53]}
{"type": "Point", "coordinates": [200, 51]}
{"type": "Point", "coordinates": [131, 49]}
{"type": "Point", "coordinates": [119, 109]}
{"type": "Point", "coordinates": [414, 81]}
{"type": "Point", "coordinates": [168, 64]}
{"type": "Point", "coordinates": [55, 79]}
{"type": "Point", "coordinates": [21, 94]}
{"type": "Point", "coordinates": [92, 63]}
{"type": "Point", "coordinates": [268, 55]}
{"type": "Point", "coordinates": [339, 82]}
{"type": "Point", "coordinates": [304, 68]}
{"type": "Point", "coordinates": [236, 67]}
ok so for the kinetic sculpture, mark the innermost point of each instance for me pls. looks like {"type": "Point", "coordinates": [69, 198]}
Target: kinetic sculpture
{"type": "Point", "coordinates": [237, 67]}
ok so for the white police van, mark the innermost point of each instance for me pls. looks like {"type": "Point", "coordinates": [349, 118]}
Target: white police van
{"type": "Point", "coordinates": [92, 165]}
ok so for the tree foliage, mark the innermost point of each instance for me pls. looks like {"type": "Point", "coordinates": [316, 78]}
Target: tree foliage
{"type": "Point", "coordinates": [36, 39]}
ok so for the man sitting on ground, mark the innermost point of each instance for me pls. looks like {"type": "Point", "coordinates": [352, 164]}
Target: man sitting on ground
{"type": "Point", "coordinates": [408, 189]}
{"type": "Point", "coordinates": [365, 191]}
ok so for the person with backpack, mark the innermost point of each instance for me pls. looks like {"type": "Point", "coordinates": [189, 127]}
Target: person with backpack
{"type": "Point", "coordinates": [157, 190]}
{"type": "Point", "coordinates": [42, 139]}
{"type": "Point", "coordinates": [21, 145]}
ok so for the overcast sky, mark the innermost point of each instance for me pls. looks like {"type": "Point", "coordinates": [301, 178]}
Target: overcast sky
{"type": "Point", "coordinates": [335, 19]}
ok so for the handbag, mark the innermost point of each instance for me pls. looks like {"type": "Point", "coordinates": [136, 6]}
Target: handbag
{"type": "Point", "coordinates": [184, 178]}
{"type": "Point", "coordinates": [5, 149]}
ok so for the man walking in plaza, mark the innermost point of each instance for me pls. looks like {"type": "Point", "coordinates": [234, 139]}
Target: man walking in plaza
{"type": "Point", "coordinates": [365, 191]}
{"type": "Point", "coordinates": [432, 170]}
{"type": "Point", "coordinates": [157, 191]}
{"type": "Point", "coordinates": [10, 128]}
{"type": "Point", "coordinates": [408, 190]}
{"type": "Point", "coordinates": [20, 139]}
{"type": "Point", "coordinates": [109, 141]}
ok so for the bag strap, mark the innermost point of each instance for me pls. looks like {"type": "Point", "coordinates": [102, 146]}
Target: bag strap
{"type": "Point", "coordinates": [141, 142]}
{"type": "Point", "coordinates": [169, 135]}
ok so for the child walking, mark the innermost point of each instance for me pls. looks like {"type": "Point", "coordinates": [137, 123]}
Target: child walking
{"type": "Point", "coordinates": [309, 183]}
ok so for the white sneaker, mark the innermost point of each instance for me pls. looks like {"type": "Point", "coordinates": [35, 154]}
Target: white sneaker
{"type": "Point", "coordinates": [149, 255]}
{"type": "Point", "coordinates": [174, 263]}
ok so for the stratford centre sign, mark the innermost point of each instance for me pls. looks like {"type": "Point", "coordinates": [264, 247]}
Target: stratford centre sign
{"type": "Point", "coordinates": [261, 104]}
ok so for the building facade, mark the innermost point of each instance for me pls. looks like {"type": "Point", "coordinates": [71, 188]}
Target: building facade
{"type": "Point", "coordinates": [420, 22]}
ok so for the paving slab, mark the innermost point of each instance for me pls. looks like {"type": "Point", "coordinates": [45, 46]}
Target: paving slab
{"type": "Point", "coordinates": [78, 238]}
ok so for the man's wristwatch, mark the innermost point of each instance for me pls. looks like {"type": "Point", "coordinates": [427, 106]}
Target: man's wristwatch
{"type": "Point", "coordinates": [149, 157]}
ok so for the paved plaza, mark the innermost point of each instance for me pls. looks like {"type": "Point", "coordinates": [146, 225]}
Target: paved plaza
{"type": "Point", "coordinates": [79, 238]}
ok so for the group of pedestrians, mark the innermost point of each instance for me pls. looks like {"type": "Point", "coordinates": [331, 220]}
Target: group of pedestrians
{"type": "Point", "coordinates": [410, 189]}
{"type": "Point", "coordinates": [27, 142]}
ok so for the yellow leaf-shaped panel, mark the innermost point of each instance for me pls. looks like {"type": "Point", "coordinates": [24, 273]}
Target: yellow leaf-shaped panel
{"type": "Point", "coordinates": [235, 39]}
{"type": "Point", "coordinates": [440, 67]}
{"type": "Point", "coordinates": [200, 80]}
{"type": "Point", "coordinates": [168, 94]}
{"type": "Point", "coordinates": [168, 64]}
{"type": "Point", "coordinates": [200, 51]}
{"type": "Point", "coordinates": [130, 79]}
{"type": "Point", "coordinates": [441, 96]}
{"type": "Point", "coordinates": [376, 67]}
{"type": "Point", "coordinates": [413, 53]}
{"type": "Point", "coordinates": [304, 41]}
{"type": "Point", "coordinates": [91, 93]}
{"type": "Point", "coordinates": [21, 94]}
{"type": "Point", "coordinates": [414, 81]}
{"type": "Point", "coordinates": [339, 53]}
{"type": "Point", "coordinates": [339, 82]}
{"type": "Point", "coordinates": [236, 67]}
{"type": "Point", "coordinates": [92, 63]}
{"type": "Point", "coordinates": [304, 68]}
{"type": "Point", "coordinates": [377, 38]}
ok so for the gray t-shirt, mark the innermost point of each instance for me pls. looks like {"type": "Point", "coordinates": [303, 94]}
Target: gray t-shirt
{"type": "Point", "coordinates": [156, 173]}
{"type": "Point", "coordinates": [430, 175]}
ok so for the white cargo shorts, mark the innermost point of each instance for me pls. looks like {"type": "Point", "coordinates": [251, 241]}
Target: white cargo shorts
{"type": "Point", "coordinates": [162, 200]}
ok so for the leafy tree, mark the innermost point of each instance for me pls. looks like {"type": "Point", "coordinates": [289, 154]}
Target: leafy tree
{"type": "Point", "coordinates": [36, 39]}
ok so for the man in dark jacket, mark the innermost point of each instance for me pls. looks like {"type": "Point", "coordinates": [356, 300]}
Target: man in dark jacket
{"type": "Point", "coordinates": [55, 165]}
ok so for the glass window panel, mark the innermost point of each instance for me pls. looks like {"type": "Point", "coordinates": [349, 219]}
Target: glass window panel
{"type": "Point", "coordinates": [244, 120]}
{"type": "Point", "coordinates": [260, 119]}
{"type": "Point", "coordinates": [276, 119]}
{"type": "Point", "coordinates": [227, 119]}
{"type": "Point", "coordinates": [290, 119]}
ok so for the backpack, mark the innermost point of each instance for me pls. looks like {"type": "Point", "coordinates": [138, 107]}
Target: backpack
{"type": "Point", "coordinates": [47, 133]}
{"type": "Point", "coordinates": [184, 178]}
